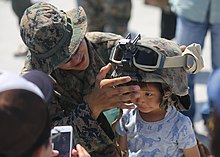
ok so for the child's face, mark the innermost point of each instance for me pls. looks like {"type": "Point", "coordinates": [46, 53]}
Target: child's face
{"type": "Point", "coordinates": [150, 98]}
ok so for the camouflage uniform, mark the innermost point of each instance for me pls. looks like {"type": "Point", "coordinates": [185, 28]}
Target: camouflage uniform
{"type": "Point", "coordinates": [109, 15]}
{"type": "Point", "coordinates": [68, 106]}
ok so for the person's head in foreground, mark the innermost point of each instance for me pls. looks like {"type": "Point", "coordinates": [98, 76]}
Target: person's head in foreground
{"type": "Point", "coordinates": [55, 38]}
{"type": "Point", "coordinates": [24, 119]}
{"type": "Point", "coordinates": [158, 65]}
{"type": "Point", "coordinates": [213, 89]}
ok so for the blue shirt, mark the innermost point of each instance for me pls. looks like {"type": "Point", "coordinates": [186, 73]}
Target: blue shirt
{"type": "Point", "coordinates": [164, 138]}
{"type": "Point", "coordinates": [197, 10]}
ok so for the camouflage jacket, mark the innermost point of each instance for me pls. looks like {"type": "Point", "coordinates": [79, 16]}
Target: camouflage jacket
{"type": "Point", "coordinates": [69, 108]}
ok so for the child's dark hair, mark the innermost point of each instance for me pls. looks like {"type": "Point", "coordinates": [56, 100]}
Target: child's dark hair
{"type": "Point", "coordinates": [169, 98]}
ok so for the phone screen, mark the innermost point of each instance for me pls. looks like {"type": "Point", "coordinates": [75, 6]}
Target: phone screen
{"type": "Point", "coordinates": [62, 144]}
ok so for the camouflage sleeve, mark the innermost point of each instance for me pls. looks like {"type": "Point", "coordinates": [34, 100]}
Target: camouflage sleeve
{"type": "Point", "coordinates": [86, 130]}
{"type": "Point", "coordinates": [27, 66]}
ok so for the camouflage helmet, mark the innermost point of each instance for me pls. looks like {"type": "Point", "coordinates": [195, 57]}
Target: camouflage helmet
{"type": "Point", "coordinates": [174, 75]}
{"type": "Point", "coordinates": [52, 35]}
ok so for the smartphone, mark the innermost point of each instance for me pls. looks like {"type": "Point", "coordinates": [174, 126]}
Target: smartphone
{"type": "Point", "coordinates": [62, 140]}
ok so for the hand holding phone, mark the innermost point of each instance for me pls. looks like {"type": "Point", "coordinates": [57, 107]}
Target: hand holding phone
{"type": "Point", "coordinates": [62, 140]}
{"type": "Point", "coordinates": [80, 151]}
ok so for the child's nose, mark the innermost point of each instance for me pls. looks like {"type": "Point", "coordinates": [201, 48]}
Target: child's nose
{"type": "Point", "coordinates": [140, 101]}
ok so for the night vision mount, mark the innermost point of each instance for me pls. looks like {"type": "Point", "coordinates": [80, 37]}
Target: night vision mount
{"type": "Point", "coordinates": [124, 52]}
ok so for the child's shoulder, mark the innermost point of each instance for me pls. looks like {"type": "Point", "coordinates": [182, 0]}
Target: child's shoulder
{"type": "Point", "coordinates": [178, 115]}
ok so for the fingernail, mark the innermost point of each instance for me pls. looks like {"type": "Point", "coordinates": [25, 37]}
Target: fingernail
{"type": "Point", "coordinates": [128, 78]}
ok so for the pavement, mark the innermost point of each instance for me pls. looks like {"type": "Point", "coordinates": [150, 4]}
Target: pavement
{"type": "Point", "coordinates": [144, 20]}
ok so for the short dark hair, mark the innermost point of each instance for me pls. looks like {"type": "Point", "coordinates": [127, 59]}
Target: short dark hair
{"type": "Point", "coordinates": [27, 113]}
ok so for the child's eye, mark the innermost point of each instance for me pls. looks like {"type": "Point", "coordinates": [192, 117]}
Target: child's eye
{"type": "Point", "coordinates": [148, 94]}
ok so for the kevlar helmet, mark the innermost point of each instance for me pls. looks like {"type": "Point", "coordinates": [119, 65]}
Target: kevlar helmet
{"type": "Point", "coordinates": [157, 60]}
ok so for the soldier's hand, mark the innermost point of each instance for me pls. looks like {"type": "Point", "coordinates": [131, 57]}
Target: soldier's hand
{"type": "Point", "coordinates": [106, 94]}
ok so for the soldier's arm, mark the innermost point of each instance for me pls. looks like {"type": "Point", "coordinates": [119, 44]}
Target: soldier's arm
{"type": "Point", "coordinates": [27, 66]}
{"type": "Point", "coordinates": [86, 130]}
